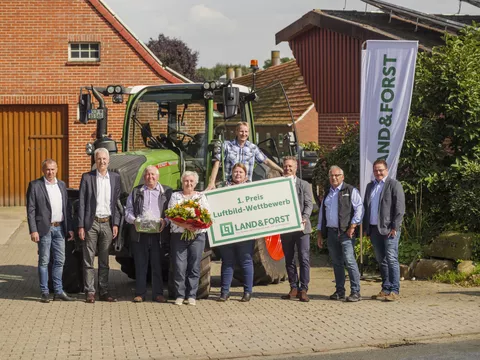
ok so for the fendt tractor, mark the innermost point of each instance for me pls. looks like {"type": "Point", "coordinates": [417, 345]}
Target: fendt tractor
{"type": "Point", "coordinates": [177, 127]}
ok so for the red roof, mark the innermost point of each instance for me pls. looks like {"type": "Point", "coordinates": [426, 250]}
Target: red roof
{"type": "Point", "coordinates": [133, 41]}
{"type": "Point", "coordinates": [271, 108]}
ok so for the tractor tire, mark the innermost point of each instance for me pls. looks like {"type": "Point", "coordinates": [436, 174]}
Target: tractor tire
{"type": "Point", "coordinates": [204, 282]}
{"type": "Point", "coordinates": [127, 265]}
{"type": "Point", "coordinates": [72, 278]}
{"type": "Point", "coordinates": [268, 262]}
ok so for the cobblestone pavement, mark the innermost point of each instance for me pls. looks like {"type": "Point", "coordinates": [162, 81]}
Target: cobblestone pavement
{"type": "Point", "coordinates": [265, 326]}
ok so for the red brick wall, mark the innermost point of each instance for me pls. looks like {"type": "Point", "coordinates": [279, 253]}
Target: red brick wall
{"type": "Point", "coordinates": [328, 125]}
{"type": "Point", "coordinates": [34, 67]}
{"type": "Point", "coordinates": [307, 127]}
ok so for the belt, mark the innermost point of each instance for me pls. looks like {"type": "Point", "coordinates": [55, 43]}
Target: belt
{"type": "Point", "coordinates": [56, 223]}
{"type": "Point", "coordinates": [102, 220]}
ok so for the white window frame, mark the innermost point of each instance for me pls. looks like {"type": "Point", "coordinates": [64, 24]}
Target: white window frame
{"type": "Point", "coordinates": [82, 50]}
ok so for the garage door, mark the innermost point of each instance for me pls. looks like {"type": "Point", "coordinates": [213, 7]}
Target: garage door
{"type": "Point", "coordinates": [30, 134]}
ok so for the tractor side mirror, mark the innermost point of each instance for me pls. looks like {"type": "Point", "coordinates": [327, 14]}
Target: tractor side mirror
{"type": "Point", "coordinates": [84, 107]}
{"type": "Point", "coordinates": [231, 101]}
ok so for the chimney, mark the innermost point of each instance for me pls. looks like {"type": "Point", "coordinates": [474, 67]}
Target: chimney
{"type": "Point", "coordinates": [275, 57]}
{"type": "Point", "coordinates": [230, 73]}
{"type": "Point", "coordinates": [238, 72]}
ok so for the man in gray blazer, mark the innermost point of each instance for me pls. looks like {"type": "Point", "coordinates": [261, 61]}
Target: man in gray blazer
{"type": "Point", "coordinates": [384, 204]}
{"type": "Point", "coordinates": [298, 287]}
{"type": "Point", "coordinates": [98, 221]}
{"type": "Point", "coordinates": [49, 220]}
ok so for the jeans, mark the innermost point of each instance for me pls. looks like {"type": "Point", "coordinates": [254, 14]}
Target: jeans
{"type": "Point", "coordinates": [100, 235]}
{"type": "Point", "coordinates": [187, 255]}
{"type": "Point", "coordinates": [53, 241]}
{"type": "Point", "coordinates": [242, 252]}
{"type": "Point", "coordinates": [302, 241]}
{"type": "Point", "coordinates": [148, 248]}
{"type": "Point", "coordinates": [386, 253]}
{"type": "Point", "coordinates": [342, 252]}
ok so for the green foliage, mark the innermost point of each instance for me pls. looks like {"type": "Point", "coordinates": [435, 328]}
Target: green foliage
{"type": "Point", "coordinates": [310, 146]}
{"type": "Point", "coordinates": [455, 277]}
{"type": "Point", "coordinates": [214, 73]}
{"type": "Point", "coordinates": [368, 252]}
{"type": "Point", "coordinates": [476, 248]}
{"type": "Point", "coordinates": [268, 63]}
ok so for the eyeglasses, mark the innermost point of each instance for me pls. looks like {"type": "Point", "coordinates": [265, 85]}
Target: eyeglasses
{"type": "Point", "coordinates": [335, 175]}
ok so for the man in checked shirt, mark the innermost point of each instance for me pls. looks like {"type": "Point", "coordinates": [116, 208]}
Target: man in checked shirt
{"type": "Point", "coordinates": [240, 150]}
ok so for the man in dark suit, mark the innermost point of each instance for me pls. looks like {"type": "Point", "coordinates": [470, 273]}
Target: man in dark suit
{"type": "Point", "coordinates": [384, 209]}
{"type": "Point", "coordinates": [98, 221]}
{"type": "Point", "coordinates": [49, 219]}
{"type": "Point", "coordinates": [298, 287]}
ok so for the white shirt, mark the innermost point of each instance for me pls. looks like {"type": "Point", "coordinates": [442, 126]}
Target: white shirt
{"type": "Point", "coordinates": [55, 197]}
{"type": "Point", "coordinates": [104, 194]}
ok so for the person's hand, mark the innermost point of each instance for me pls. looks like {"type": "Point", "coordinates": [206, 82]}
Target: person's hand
{"type": "Point", "coordinates": [392, 233]}
{"type": "Point", "coordinates": [163, 224]}
{"type": "Point", "coordinates": [210, 186]}
{"type": "Point", "coordinates": [350, 231]}
{"type": "Point", "coordinates": [114, 231]}
{"type": "Point", "coordinates": [35, 237]}
{"type": "Point", "coordinates": [70, 236]}
{"type": "Point", "coordinates": [81, 233]}
{"type": "Point", "coordinates": [190, 227]}
{"type": "Point", "coordinates": [319, 240]}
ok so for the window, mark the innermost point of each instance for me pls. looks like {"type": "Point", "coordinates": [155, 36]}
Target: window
{"type": "Point", "coordinates": [84, 52]}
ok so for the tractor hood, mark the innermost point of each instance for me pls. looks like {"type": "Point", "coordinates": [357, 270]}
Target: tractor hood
{"type": "Point", "coordinates": [131, 165]}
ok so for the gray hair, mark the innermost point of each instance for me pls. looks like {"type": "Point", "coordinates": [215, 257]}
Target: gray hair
{"type": "Point", "coordinates": [48, 161]}
{"type": "Point", "coordinates": [151, 167]}
{"type": "Point", "coordinates": [101, 150]}
{"type": "Point", "coordinates": [333, 167]}
{"type": "Point", "coordinates": [190, 173]}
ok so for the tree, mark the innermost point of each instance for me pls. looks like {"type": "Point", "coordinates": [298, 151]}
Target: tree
{"type": "Point", "coordinates": [214, 73]}
{"type": "Point", "coordinates": [175, 54]}
{"type": "Point", "coordinates": [267, 63]}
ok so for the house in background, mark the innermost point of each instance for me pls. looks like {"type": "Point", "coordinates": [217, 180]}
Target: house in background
{"type": "Point", "coordinates": [49, 50]}
{"type": "Point", "coordinates": [327, 46]}
{"type": "Point", "coordinates": [272, 115]}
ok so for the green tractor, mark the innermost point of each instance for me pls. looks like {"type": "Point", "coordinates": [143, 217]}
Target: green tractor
{"type": "Point", "coordinates": [179, 127]}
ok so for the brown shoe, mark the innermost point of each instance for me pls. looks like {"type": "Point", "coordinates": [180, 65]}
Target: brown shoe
{"type": "Point", "coordinates": [107, 297]}
{"type": "Point", "coordinates": [380, 296]}
{"type": "Point", "coordinates": [160, 299]}
{"type": "Point", "coordinates": [90, 298]}
{"type": "Point", "coordinates": [138, 299]}
{"type": "Point", "coordinates": [291, 295]}
{"type": "Point", "coordinates": [392, 297]}
{"type": "Point", "coordinates": [303, 296]}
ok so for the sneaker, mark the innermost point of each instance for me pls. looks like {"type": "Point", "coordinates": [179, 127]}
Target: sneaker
{"type": "Point", "coordinates": [392, 297]}
{"type": "Point", "coordinates": [179, 301]}
{"type": "Point", "coordinates": [380, 296]}
{"type": "Point", "coordinates": [191, 301]}
{"type": "Point", "coordinates": [337, 296]}
{"type": "Point", "coordinates": [354, 297]}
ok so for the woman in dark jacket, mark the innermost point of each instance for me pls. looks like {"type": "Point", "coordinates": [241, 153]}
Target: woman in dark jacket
{"type": "Point", "coordinates": [241, 251]}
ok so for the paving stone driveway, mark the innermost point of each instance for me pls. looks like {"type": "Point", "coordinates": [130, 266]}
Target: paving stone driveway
{"type": "Point", "coordinates": [265, 326]}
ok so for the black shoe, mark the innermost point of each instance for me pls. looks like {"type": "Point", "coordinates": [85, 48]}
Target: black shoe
{"type": "Point", "coordinates": [223, 297]}
{"type": "Point", "coordinates": [337, 296]}
{"type": "Point", "coordinates": [45, 298]}
{"type": "Point", "coordinates": [246, 297]}
{"type": "Point", "coordinates": [62, 296]}
{"type": "Point", "coordinates": [354, 297]}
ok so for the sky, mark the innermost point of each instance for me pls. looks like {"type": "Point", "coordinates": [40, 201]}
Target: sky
{"type": "Point", "coordinates": [234, 32]}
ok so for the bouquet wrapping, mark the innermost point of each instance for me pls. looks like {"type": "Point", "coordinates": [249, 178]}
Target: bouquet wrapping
{"type": "Point", "coordinates": [192, 213]}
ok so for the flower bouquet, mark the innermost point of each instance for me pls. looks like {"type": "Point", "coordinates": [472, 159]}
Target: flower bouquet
{"type": "Point", "coordinates": [190, 212]}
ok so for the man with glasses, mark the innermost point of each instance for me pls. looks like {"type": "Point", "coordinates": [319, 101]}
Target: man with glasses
{"type": "Point", "coordinates": [339, 216]}
{"type": "Point", "coordinates": [384, 209]}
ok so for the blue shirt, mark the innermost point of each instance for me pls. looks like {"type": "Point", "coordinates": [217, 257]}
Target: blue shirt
{"type": "Point", "coordinates": [246, 155]}
{"type": "Point", "coordinates": [150, 203]}
{"type": "Point", "coordinates": [375, 200]}
{"type": "Point", "coordinates": [331, 208]}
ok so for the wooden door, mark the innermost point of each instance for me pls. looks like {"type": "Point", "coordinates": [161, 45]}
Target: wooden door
{"type": "Point", "coordinates": [30, 134]}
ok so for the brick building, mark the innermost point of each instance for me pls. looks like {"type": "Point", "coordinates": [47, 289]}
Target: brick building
{"type": "Point", "coordinates": [49, 50]}
{"type": "Point", "coordinates": [327, 46]}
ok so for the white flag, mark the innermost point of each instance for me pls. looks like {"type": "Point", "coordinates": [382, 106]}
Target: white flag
{"type": "Point", "coordinates": [388, 70]}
